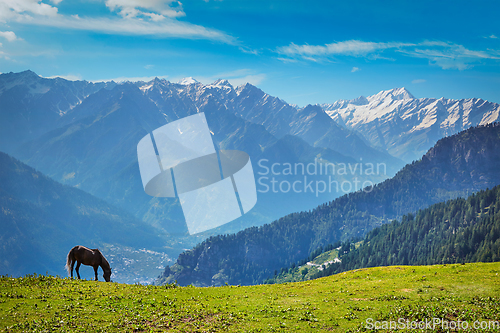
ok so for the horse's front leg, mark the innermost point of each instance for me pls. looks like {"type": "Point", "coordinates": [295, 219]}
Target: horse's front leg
{"type": "Point", "coordinates": [77, 269]}
{"type": "Point", "coordinates": [95, 271]}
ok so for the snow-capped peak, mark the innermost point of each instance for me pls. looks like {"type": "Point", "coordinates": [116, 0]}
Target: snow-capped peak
{"type": "Point", "coordinates": [221, 84]}
{"type": "Point", "coordinates": [144, 86]}
{"type": "Point", "coordinates": [248, 88]}
{"type": "Point", "coordinates": [187, 81]}
{"type": "Point", "coordinates": [361, 100]}
{"type": "Point", "coordinates": [394, 94]}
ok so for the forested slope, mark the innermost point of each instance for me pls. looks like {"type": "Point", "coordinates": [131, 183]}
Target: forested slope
{"type": "Point", "coordinates": [456, 166]}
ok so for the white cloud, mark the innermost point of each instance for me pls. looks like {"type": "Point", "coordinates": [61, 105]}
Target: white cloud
{"type": "Point", "coordinates": [135, 20]}
{"type": "Point", "coordinates": [154, 17]}
{"type": "Point", "coordinates": [149, 66]}
{"type": "Point", "coordinates": [69, 77]}
{"type": "Point", "coordinates": [417, 81]}
{"type": "Point", "coordinates": [159, 8]}
{"type": "Point", "coordinates": [354, 48]}
{"type": "Point", "coordinates": [9, 35]}
{"type": "Point", "coordinates": [287, 60]}
{"type": "Point", "coordinates": [443, 54]}
{"type": "Point", "coordinates": [449, 55]}
{"type": "Point", "coordinates": [248, 50]}
{"type": "Point", "coordinates": [355, 69]}
{"type": "Point", "coordinates": [492, 36]}
{"type": "Point", "coordinates": [5, 56]}
{"type": "Point", "coordinates": [14, 8]}
{"type": "Point", "coordinates": [134, 26]}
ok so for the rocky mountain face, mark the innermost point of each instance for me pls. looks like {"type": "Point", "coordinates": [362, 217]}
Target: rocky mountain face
{"type": "Point", "coordinates": [310, 123]}
{"type": "Point", "coordinates": [406, 126]}
{"type": "Point", "coordinates": [31, 105]}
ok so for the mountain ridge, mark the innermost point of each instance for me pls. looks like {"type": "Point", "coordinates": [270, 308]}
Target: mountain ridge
{"type": "Point", "coordinates": [462, 230]}
{"type": "Point", "coordinates": [42, 220]}
{"type": "Point", "coordinates": [405, 126]}
{"type": "Point", "coordinates": [30, 105]}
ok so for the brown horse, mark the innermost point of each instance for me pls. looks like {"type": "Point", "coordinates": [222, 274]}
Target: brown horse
{"type": "Point", "coordinates": [82, 255]}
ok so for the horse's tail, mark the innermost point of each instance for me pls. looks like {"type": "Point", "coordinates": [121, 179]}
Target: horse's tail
{"type": "Point", "coordinates": [69, 260]}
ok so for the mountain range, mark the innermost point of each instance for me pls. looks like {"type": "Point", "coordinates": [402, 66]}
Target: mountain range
{"type": "Point", "coordinates": [85, 134]}
{"type": "Point", "coordinates": [405, 126]}
{"type": "Point", "coordinates": [91, 144]}
{"type": "Point", "coordinates": [31, 105]}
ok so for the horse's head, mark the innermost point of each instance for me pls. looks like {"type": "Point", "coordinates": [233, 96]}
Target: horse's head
{"type": "Point", "coordinates": [107, 275]}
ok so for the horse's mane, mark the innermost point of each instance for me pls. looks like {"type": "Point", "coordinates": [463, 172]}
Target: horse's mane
{"type": "Point", "coordinates": [104, 263]}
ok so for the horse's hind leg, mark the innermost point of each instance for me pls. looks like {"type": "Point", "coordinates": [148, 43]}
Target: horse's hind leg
{"type": "Point", "coordinates": [77, 269]}
{"type": "Point", "coordinates": [95, 271]}
{"type": "Point", "coordinates": [72, 266]}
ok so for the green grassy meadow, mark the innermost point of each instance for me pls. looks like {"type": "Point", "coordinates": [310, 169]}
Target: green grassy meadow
{"type": "Point", "coordinates": [338, 303]}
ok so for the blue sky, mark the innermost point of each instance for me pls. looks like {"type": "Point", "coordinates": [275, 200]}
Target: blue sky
{"type": "Point", "coordinates": [304, 52]}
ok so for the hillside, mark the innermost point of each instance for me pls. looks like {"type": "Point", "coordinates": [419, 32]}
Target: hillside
{"type": "Point", "coordinates": [455, 166]}
{"type": "Point", "coordinates": [340, 303]}
{"type": "Point", "coordinates": [42, 220]}
{"type": "Point", "coordinates": [461, 230]}
{"type": "Point", "coordinates": [456, 231]}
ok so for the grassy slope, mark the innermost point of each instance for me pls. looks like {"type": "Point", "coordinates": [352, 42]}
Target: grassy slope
{"type": "Point", "coordinates": [336, 303]}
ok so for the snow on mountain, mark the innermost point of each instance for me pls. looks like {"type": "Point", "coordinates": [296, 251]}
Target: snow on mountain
{"type": "Point", "coordinates": [405, 126]}
{"type": "Point", "coordinates": [187, 81]}
{"type": "Point", "coordinates": [361, 100]}
{"type": "Point", "coordinates": [147, 86]}
{"type": "Point", "coordinates": [310, 123]}
{"type": "Point", "coordinates": [394, 94]}
{"type": "Point", "coordinates": [224, 84]}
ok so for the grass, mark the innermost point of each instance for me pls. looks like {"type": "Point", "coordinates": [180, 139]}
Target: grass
{"type": "Point", "coordinates": [339, 303]}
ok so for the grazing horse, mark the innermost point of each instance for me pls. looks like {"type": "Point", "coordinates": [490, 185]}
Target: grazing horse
{"type": "Point", "coordinates": [82, 255]}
